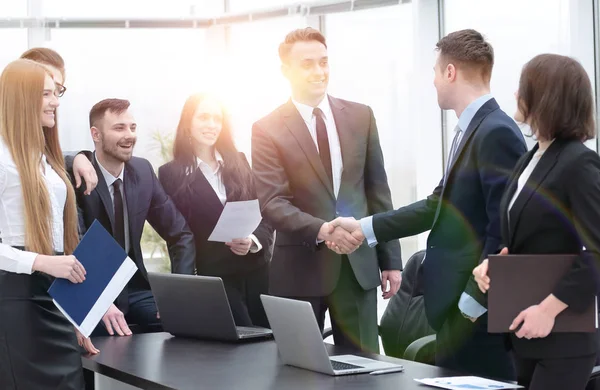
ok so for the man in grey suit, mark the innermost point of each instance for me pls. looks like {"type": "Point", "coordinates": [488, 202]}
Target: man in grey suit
{"type": "Point", "coordinates": [316, 158]}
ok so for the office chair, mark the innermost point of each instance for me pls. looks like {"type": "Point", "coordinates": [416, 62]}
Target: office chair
{"type": "Point", "coordinates": [404, 319]}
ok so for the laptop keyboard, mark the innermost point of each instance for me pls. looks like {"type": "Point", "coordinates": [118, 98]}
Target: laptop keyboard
{"type": "Point", "coordinates": [337, 366]}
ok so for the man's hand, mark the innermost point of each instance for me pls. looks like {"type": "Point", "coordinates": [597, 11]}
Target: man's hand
{"type": "Point", "coordinates": [114, 319]}
{"type": "Point", "coordinates": [338, 238]}
{"type": "Point", "coordinates": [86, 343]}
{"type": "Point", "coordinates": [351, 226]}
{"type": "Point", "coordinates": [83, 168]}
{"type": "Point", "coordinates": [481, 273]}
{"type": "Point", "coordinates": [394, 277]}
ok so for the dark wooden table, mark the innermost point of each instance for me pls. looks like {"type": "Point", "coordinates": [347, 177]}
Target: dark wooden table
{"type": "Point", "coordinates": [161, 361]}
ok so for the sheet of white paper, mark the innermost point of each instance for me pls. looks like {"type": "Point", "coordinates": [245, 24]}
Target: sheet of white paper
{"type": "Point", "coordinates": [238, 220]}
{"type": "Point", "coordinates": [108, 296]}
{"type": "Point", "coordinates": [467, 383]}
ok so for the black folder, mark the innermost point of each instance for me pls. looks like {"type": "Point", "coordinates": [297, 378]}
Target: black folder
{"type": "Point", "coordinates": [520, 281]}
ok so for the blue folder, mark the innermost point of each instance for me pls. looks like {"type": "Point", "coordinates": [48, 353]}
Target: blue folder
{"type": "Point", "coordinates": [101, 256]}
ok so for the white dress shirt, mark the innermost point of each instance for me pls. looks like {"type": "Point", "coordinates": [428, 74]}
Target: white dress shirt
{"type": "Point", "coordinates": [215, 180]}
{"type": "Point", "coordinates": [306, 112]}
{"type": "Point", "coordinates": [12, 214]}
{"type": "Point", "coordinates": [110, 179]}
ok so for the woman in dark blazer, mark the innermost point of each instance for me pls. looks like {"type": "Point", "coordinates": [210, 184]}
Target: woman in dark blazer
{"type": "Point", "coordinates": [552, 206]}
{"type": "Point", "coordinates": [207, 171]}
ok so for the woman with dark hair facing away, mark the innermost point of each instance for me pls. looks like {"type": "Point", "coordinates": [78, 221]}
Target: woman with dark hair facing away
{"type": "Point", "coordinates": [206, 172]}
{"type": "Point", "coordinates": [552, 206]}
{"type": "Point", "coordinates": [38, 227]}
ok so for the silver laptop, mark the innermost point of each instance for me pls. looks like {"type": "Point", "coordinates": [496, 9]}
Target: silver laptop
{"type": "Point", "coordinates": [300, 342]}
{"type": "Point", "coordinates": [197, 306]}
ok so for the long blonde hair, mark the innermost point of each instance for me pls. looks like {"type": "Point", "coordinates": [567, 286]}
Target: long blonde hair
{"type": "Point", "coordinates": [21, 91]}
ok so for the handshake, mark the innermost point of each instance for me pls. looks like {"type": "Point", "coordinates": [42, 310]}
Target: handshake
{"type": "Point", "coordinates": [343, 235]}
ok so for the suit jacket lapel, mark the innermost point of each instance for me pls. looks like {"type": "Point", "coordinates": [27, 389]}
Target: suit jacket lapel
{"type": "Point", "coordinates": [207, 196]}
{"type": "Point", "coordinates": [541, 170]}
{"type": "Point", "coordinates": [295, 124]}
{"type": "Point", "coordinates": [488, 107]}
{"type": "Point", "coordinates": [511, 187]}
{"type": "Point", "coordinates": [102, 190]}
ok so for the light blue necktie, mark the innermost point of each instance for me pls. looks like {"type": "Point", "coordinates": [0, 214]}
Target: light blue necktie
{"type": "Point", "coordinates": [453, 149]}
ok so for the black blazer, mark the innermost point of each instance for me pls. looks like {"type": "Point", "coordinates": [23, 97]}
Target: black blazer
{"type": "Point", "coordinates": [297, 197]}
{"type": "Point", "coordinates": [462, 215]}
{"type": "Point", "coordinates": [146, 201]}
{"type": "Point", "coordinates": [202, 208]}
{"type": "Point", "coordinates": [558, 212]}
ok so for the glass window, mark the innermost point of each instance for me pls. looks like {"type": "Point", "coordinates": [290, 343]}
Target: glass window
{"type": "Point", "coordinates": [131, 8]}
{"type": "Point", "coordinates": [14, 43]}
{"type": "Point", "coordinates": [13, 9]}
{"type": "Point", "coordinates": [155, 69]}
{"type": "Point", "coordinates": [370, 56]}
{"type": "Point", "coordinates": [251, 78]}
{"type": "Point", "coordinates": [245, 5]}
{"type": "Point", "coordinates": [518, 31]}
{"type": "Point", "coordinates": [369, 68]}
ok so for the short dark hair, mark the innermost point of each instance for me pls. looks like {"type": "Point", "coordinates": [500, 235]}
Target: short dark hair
{"type": "Point", "coordinates": [555, 97]}
{"type": "Point", "coordinates": [300, 35]}
{"type": "Point", "coordinates": [116, 106]}
{"type": "Point", "coordinates": [468, 49]}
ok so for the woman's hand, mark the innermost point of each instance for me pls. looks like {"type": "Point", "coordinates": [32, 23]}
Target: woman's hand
{"type": "Point", "coordinates": [86, 343]}
{"type": "Point", "coordinates": [83, 169]}
{"type": "Point", "coordinates": [537, 323]}
{"type": "Point", "coordinates": [538, 320]}
{"type": "Point", "coordinates": [65, 267]}
{"type": "Point", "coordinates": [240, 246]}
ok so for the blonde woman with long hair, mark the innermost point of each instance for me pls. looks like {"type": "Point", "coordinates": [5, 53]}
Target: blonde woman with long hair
{"type": "Point", "coordinates": [38, 227]}
{"type": "Point", "coordinates": [82, 167]}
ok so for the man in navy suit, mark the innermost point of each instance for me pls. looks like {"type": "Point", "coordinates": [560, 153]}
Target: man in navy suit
{"type": "Point", "coordinates": [127, 195]}
{"type": "Point", "coordinates": [462, 212]}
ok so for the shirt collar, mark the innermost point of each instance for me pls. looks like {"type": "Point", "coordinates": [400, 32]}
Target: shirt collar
{"type": "Point", "coordinates": [306, 111]}
{"type": "Point", "coordinates": [469, 113]}
{"type": "Point", "coordinates": [204, 166]}
{"type": "Point", "coordinates": [108, 177]}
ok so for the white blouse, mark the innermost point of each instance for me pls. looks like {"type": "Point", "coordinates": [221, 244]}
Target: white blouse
{"type": "Point", "coordinates": [214, 177]}
{"type": "Point", "coordinates": [525, 175]}
{"type": "Point", "coordinates": [12, 217]}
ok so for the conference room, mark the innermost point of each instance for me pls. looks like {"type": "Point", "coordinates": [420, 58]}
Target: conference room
{"type": "Point", "coordinates": [263, 320]}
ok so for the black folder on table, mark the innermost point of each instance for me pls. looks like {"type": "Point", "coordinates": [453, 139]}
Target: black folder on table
{"type": "Point", "coordinates": [520, 281]}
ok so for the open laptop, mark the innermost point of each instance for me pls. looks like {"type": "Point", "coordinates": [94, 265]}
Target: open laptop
{"type": "Point", "coordinates": [300, 342]}
{"type": "Point", "coordinates": [197, 306]}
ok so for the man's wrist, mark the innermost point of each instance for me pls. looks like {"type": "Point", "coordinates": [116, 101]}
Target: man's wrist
{"type": "Point", "coordinates": [324, 231]}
